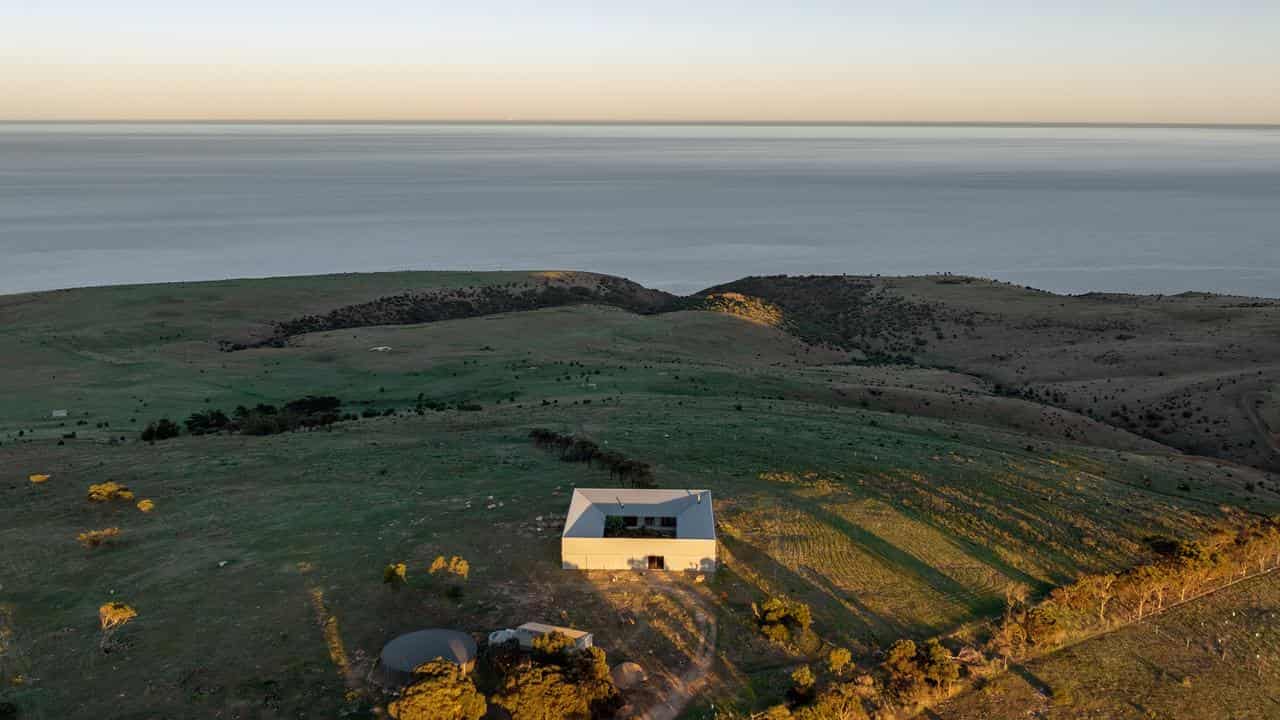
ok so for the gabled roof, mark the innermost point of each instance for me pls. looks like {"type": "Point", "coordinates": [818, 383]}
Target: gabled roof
{"type": "Point", "coordinates": [691, 508]}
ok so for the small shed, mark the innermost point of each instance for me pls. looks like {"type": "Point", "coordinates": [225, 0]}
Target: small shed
{"type": "Point", "coordinates": [402, 655]}
{"type": "Point", "coordinates": [526, 633]}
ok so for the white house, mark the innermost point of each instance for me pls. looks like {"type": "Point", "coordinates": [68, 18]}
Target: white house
{"type": "Point", "coordinates": [619, 529]}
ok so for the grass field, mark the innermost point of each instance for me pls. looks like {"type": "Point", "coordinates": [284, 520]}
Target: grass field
{"type": "Point", "coordinates": [900, 513]}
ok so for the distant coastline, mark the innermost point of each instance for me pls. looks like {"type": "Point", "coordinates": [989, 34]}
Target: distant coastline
{"type": "Point", "coordinates": [678, 207]}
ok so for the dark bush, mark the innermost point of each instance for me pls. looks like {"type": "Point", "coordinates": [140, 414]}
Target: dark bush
{"type": "Point", "coordinates": [201, 423]}
{"type": "Point", "coordinates": [162, 429]}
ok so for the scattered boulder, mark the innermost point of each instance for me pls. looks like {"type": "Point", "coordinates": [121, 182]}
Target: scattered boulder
{"type": "Point", "coordinates": [628, 675]}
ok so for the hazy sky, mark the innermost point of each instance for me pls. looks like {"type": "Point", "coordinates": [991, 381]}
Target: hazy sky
{"type": "Point", "coordinates": [815, 60]}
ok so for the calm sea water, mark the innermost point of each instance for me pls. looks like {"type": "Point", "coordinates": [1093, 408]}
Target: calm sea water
{"type": "Point", "coordinates": [681, 208]}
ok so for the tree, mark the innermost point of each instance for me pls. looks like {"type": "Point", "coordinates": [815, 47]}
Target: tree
{"type": "Point", "coordinates": [440, 691]}
{"type": "Point", "coordinates": [1148, 583]}
{"type": "Point", "coordinates": [1043, 626]}
{"type": "Point", "coordinates": [162, 429]}
{"type": "Point", "coordinates": [938, 666]}
{"type": "Point", "coordinates": [1103, 587]}
{"type": "Point", "coordinates": [200, 423]}
{"type": "Point", "coordinates": [802, 682]}
{"type": "Point", "coordinates": [552, 646]}
{"type": "Point", "coordinates": [903, 668]}
{"type": "Point", "coordinates": [1193, 568]}
{"type": "Point", "coordinates": [541, 692]}
{"type": "Point", "coordinates": [838, 659]}
{"type": "Point", "coordinates": [778, 617]}
{"type": "Point", "coordinates": [840, 701]}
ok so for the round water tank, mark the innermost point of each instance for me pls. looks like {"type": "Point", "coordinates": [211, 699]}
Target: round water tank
{"type": "Point", "coordinates": [402, 655]}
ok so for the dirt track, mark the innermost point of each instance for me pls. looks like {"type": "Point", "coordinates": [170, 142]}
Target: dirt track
{"type": "Point", "coordinates": [686, 686]}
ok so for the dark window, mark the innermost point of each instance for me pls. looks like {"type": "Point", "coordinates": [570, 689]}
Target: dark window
{"type": "Point", "coordinates": [657, 562]}
{"type": "Point", "coordinates": [630, 520]}
{"type": "Point", "coordinates": [668, 522]}
{"type": "Point", "coordinates": [650, 521]}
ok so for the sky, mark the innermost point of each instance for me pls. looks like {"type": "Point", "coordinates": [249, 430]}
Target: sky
{"type": "Point", "coordinates": [1176, 61]}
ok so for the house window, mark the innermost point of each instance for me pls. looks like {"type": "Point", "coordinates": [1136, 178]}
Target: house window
{"type": "Point", "coordinates": [657, 562]}
{"type": "Point", "coordinates": [630, 520]}
{"type": "Point", "coordinates": [668, 522]}
{"type": "Point", "coordinates": [650, 522]}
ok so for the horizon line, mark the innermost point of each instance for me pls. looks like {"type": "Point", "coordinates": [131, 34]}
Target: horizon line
{"type": "Point", "coordinates": [643, 122]}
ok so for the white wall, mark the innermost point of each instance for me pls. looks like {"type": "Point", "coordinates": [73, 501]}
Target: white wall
{"type": "Point", "coordinates": [633, 553]}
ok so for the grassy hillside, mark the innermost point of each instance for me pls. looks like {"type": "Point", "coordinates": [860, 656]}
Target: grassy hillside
{"type": "Point", "coordinates": [895, 500]}
{"type": "Point", "coordinates": [1213, 658]}
{"type": "Point", "coordinates": [1194, 371]}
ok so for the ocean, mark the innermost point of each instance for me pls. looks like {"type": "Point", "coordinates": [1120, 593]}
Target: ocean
{"type": "Point", "coordinates": [1068, 209]}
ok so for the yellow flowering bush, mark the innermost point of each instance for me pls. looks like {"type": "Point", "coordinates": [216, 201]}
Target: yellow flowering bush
{"type": "Point", "coordinates": [146, 505]}
{"type": "Point", "coordinates": [110, 490]}
{"type": "Point", "coordinates": [94, 538]}
{"type": "Point", "coordinates": [39, 479]}
{"type": "Point", "coordinates": [115, 614]}
{"type": "Point", "coordinates": [395, 574]}
{"type": "Point", "coordinates": [454, 566]}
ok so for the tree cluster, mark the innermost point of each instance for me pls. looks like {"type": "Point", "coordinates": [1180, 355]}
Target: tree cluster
{"type": "Point", "coordinates": [914, 671]}
{"type": "Point", "coordinates": [423, 403]}
{"type": "Point", "coordinates": [915, 675]}
{"type": "Point", "coordinates": [557, 683]}
{"type": "Point", "coordinates": [578, 449]}
{"type": "Point", "coordinates": [780, 619]}
{"type": "Point", "coordinates": [440, 691]}
{"type": "Point", "coordinates": [162, 429]}
{"type": "Point", "coordinates": [457, 303]}
{"type": "Point", "coordinates": [309, 412]}
{"type": "Point", "coordinates": [1181, 571]}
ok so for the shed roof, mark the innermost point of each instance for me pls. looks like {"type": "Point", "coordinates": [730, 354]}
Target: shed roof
{"type": "Point", "coordinates": [691, 508]}
{"type": "Point", "coordinates": [544, 629]}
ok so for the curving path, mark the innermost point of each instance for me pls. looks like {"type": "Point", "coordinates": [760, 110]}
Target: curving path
{"type": "Point", "coordinates": [686, 686]}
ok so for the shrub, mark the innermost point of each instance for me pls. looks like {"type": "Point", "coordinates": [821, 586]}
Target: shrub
{"type": "Point", "coordinates": [938, 666]}
{"type": "Point", "coordinates": [107, 491]}
{"type": "Point", "coordinates": [779, 617]}
{"type": "Point", "coordinates": [38, 479]}
{"type": "Point", "coordinates": [440, 691]}
{"type": "Point", "coordinates": [162, 429]}
{"type": "Point", "coordinates": [395, 575]}
{"type": "Point", "coordinates": [455, 566]}
{"type": "Point", "coordinates": [552, 645]}
{"type": "Point", "coordinates": [96, 538]}
{"type": "Point", "coordinates": [903, 668]}
{"type": "Point", "coordinates": [838, 659]}
{"type": "Point", "coordinates": [313, 404]}
{"type": "Point", "coordinates": [576, 689]}
{"type": "Point", "coordinates": [802, 682]}
{"type": "Point", "coordinates": [115, 614]}
{"type": "Point", "coordinates": [776, 632]}
{"type": "Point", "coordinates": [210, 421]}
{"type": "Point", "coordinates": [840, 701]}
{"type": "Point", "coordinates": [540, 692]}
{"type": "Point", "coordinates": [146, 505]}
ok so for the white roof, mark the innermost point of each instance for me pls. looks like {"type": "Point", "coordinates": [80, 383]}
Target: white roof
{"type": "Point", "coordinates": [691, 508]}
